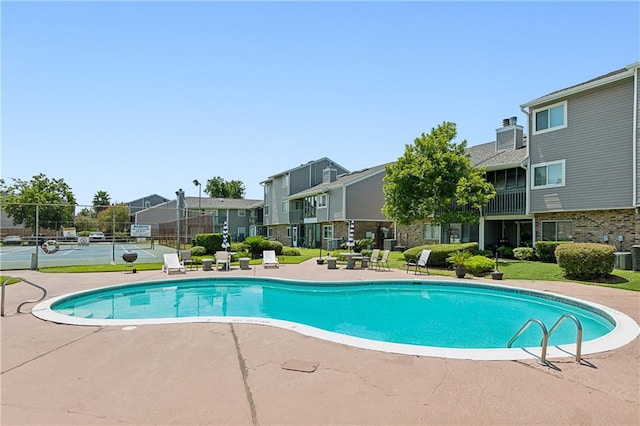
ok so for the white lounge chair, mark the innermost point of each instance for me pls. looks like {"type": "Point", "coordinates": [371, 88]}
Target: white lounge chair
{"type": "Point", "coordinates": [173, 264]}
{"type": "Point", "coordinates": [420, 263]}
{"type": "Point", "coordinates": [222, 258]}
{"type": "Point", "coordinates": [269, 259]}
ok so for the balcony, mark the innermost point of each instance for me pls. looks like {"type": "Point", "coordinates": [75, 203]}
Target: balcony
{"type": "Point", "coordinates": [507, 202]}
{"type": "Point", "coordinates": [296, 216]}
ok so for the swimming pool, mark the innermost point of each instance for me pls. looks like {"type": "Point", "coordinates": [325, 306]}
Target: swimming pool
{"type": "Point", "coordinates": [454, 319]}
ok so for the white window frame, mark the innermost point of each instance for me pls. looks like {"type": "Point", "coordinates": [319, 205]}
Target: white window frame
{"type": "Point", "coordinates": [327, 232]}
{"type": "Point", "coordinates": [322, 200]}
{"type": "Point", "coordinates": [266, 188]}
{"type": "Point", "coordinates": [270, 232]}
{"type": "Point", "coordinates": [555, 222]}
{"type": "Point", "coordinates": [285, 181]}
{"type": "Point", "coordinates": [285, 207]}
{"type": "Point", "coordinates": [242, 213]}
{"type": "Point", "coordinates": [549, 128]}
{"type": "Point", "coordinates": [265, 210]}
{"type": "Point", "coordinates": [547, 164]}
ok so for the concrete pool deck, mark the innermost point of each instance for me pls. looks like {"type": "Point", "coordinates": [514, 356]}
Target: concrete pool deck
{"type": "Point", "coordinates": [211, 373]}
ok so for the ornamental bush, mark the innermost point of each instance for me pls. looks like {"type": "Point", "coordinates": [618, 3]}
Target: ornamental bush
{"type": "Point", "coordinates": [211, 242]}
{"type": "Point", "coordinates": [439, 253]}
{"type": "Point", "coordinates": [198, 251]}
{"type": "Point", "coordinates": [586, 260]}
{"type": "Point", "coordinates": [545, 250]}
{"type": "Point", "coordinates": [273, 245]}
{"type": "Point", "coordinates": [523, 253]}
{"type": "Point", "coordinates": [479, 265]}
{"type": "Point", "coordinates": [290, 251]}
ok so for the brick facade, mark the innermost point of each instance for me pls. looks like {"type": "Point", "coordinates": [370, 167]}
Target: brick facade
{"type": "Point", "coordinates": [591, 226]}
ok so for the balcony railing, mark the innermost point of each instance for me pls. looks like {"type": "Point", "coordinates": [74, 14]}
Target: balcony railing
{"type": "Point", "coordinates": [296, 216]}
{"type": "Point", "coordinates": [512, 201]}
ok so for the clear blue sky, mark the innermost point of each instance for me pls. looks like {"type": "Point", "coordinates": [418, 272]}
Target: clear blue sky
{"type": "Point", "coordinates": [137, 98]}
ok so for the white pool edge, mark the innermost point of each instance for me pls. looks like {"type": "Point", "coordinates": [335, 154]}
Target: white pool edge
{"type": "Point", "coordinates": [625, 331]}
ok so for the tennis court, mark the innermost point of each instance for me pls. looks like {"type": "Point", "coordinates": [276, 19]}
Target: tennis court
{"type": "Point", "coordinates": [69, 254]}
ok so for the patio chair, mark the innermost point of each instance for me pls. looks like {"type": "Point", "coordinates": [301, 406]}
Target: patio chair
{"type": "Point", "coordinates": [384, 260]}
{"type": "Point", "coordinates": [420, 263]}
{"type": "Point", "coordinates": [185, 256]}
{"type": "Point", "coordinates": [269, 259]}
{"type": "Point", "coordinates": [222, 258]}
{"type": "Point", "coordinates": [173, 264]}
{"type": "Point", "coordinates": [375, 254]}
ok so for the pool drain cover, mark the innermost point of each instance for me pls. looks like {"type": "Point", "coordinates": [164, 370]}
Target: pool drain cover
{"type": "Point", "coordinates": [298, 365]}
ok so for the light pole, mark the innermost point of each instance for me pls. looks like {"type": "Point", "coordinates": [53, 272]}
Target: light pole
{"type": "Point", "coordinates": [199, 185]}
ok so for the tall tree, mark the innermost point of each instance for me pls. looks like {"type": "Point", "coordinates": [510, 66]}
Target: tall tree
{"type": "Point", "coordinates": [435, 178]}
{"type": "Point", "coordinates": [101, 201]}
{"type": "Point", "coordinates": [54, 198]}
{"type": "Point", "coordinates": [217, 187]}
{"type": "Point", "coordinates": [118, 213]}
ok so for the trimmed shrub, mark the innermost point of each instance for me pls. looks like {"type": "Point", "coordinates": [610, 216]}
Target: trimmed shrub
{"type": "Point", "coordinates": [439, 253]}
{"type": "Point", "coordinates": [290, 251]}
{"type": "Point", "coordinates": [479, 265]}
{"type": "Point", "coordinates": [486, 253]}
{"type": "Point", "coordinates": [272, 245]}
{"type": "Point", "coordinates": [198, 251]}
{"type": "Point", "coordinates": [545, 250]}
{"type": "Point", "coordinates": [211, 242]}
{"type": "Point", "coordinates": [506, 252]}
{"type": "Point", "coordinates": [523, 253]}
{"type": "Point", "coordinates": [586, 260]}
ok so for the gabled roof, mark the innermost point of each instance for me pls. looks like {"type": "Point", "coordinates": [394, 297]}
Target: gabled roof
{"type": "Point", "coordinates": [616, 75]}
{"type": "Point", "coordinates": [221, 203]}
{"type": "Point", "coordinates": [147, 197]}
{"type": "Point", "coordinates": [305, 165]}
{"type": "Point", "coordinates": [485, 155]}
{"type": "Point", "coordinates": [342, 181]}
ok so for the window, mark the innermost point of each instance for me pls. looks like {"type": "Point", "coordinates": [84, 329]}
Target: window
{"type": "Point", "coordinates": [267, 186]}
{"type": "Point", "coordinates": [288, 232]}
{"type": "Point", "coordinates": [327, 231]}
{"type": "Point", "coordinates": [242, 213]}
{"type": "Point", "coordinates": [266, 210]}
{"type": "Point", "coordinates": [431, 232]}
{"type": "Point", "coordinates": [322, 200]}
{"type": "Point", "coordinates": [253, 213]}
{"type": "Point", "coordinates": [557, 230]}
{"type": "Point", "coordinates": [270, 233]}
{"type": "Point", "coordinates": [548, 174]}
{"type": "Point", "coordinates": [285, 181]}
{"type": "Point", "coordinates": [242, 233]}
{"type": "Point", "coordinates": [285, 206]}
{"type": "Point", "coordinates": [550, 118]}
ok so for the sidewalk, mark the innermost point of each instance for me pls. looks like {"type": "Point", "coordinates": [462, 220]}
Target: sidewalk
{"type": "Point", "coordinates": [232, 373]}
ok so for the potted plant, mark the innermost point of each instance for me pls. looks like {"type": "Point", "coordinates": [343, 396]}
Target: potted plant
{"type": "Point", "coordinates": [459, 259]}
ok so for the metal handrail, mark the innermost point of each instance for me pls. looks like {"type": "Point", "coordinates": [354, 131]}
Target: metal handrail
{"type": "Point", "coordinates": [4, 283]}
{"type": "Point", "coordinates": [576, 321]}
{"type": "Point", "coordinates": [545, 337]}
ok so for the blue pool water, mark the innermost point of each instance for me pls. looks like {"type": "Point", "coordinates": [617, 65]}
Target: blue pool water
{"type": "Point", "coordinates": [427, 314]}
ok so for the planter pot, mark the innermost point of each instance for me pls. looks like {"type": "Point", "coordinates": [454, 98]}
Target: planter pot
{"type": "Point", "coordinates": [496, 275]}
{"type": "Point", "coordinates": [461, 271]}
{"type": "Point", "coordinates": [320, 261]}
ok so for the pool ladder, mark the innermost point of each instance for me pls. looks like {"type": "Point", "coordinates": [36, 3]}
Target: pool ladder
{"type": "Point", "coordinates": [4, 283]}
{"type": "Point", "coordinates": [546, 334]}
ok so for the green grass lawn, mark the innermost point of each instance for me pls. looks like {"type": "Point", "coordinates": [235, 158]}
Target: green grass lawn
{"type": "Point", "coordinates": [512, 269]}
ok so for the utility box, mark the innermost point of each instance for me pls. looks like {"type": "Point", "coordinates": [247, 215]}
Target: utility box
{"type": "Point", "coordinates": [623, 260]}
{"type": "Point", "coordinates": [389, 244]}
{"type": "Point", "coordinates": [635, 258]}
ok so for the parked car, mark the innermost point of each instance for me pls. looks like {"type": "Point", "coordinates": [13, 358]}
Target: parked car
{"type": "Point", "coordinates": [96, 236]}
{"type": "Point", "coordinates": [12, 239]}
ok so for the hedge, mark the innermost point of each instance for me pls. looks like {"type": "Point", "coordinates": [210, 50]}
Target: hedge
{"type": "Point", "coordinates": [523, 253]}
{"type": "Point", "coordinates": [211, 242]}
{"type": "Point", "coordinates": [545, 250]}
{"type": "Point", "coordinates": [586, 260]}
{"type": "Point", "coordinates": [439, 253]}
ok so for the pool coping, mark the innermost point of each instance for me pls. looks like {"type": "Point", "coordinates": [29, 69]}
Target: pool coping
{"type": "Point", "coordinates": [626, 329]}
